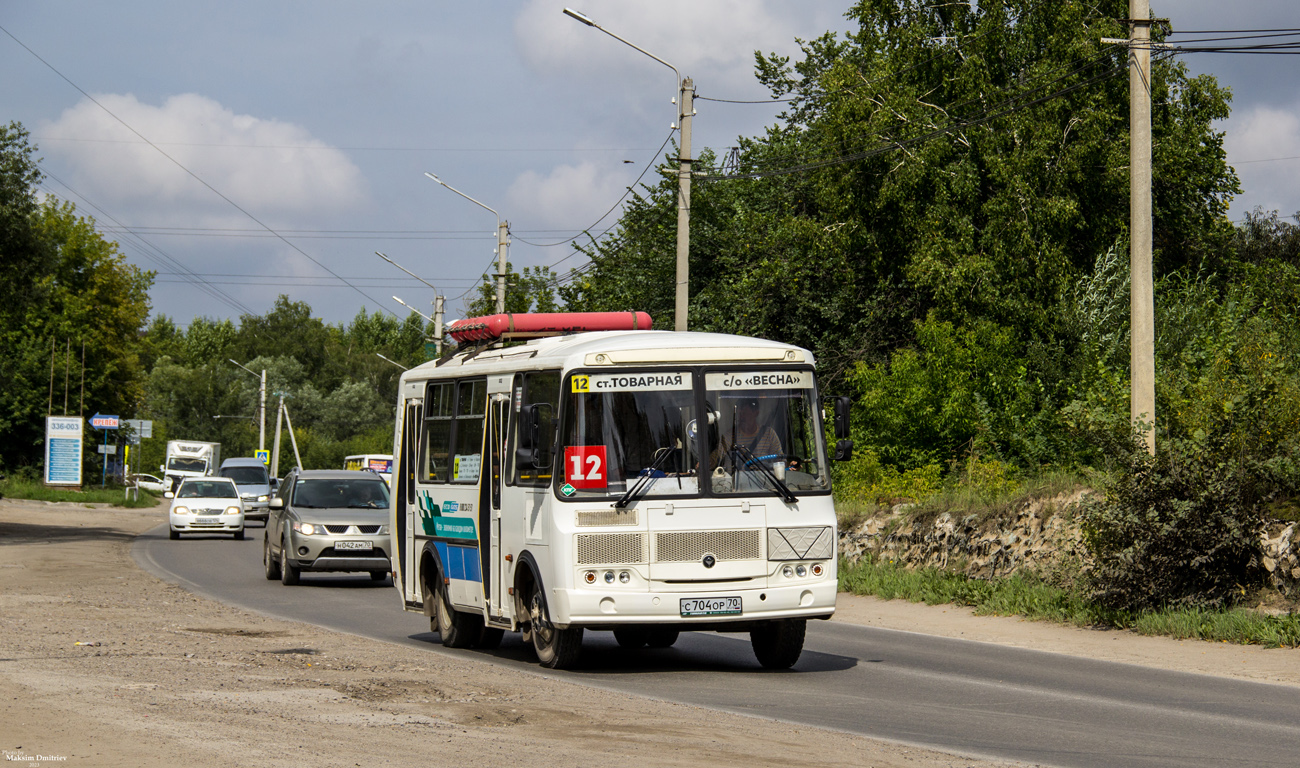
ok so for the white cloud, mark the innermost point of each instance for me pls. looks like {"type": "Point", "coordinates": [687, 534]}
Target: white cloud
{"type": "Point", "coordinates": [569, 197]}
{"type": "Point", "coordinates": [270, 168]}
{"type": "Point", "coordinates": [1263, 144]}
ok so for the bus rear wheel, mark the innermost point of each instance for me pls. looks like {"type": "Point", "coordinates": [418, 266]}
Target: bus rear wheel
{"type": "Point", "coordinates": [778, 644]}
{"type": "Point", "coordinates": [556, 648]}
{"type": "Point", "coordinates": [458, 630]}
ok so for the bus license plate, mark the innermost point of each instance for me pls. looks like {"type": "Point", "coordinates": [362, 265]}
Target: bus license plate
{"type": "Point", "coordinates": [353, 545]}
{"type": "Point", "coordinates": [710, 606]}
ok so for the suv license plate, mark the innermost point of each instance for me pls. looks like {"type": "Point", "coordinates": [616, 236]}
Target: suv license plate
{"type": "Point", "coordinates": [353, 545]}
{"type": "Point", "coordinates": [710, 606]}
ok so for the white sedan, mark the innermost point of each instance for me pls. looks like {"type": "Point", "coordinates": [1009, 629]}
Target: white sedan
{"type": "Point", "coordinates": [206, 505]}
{"type": "Point", "coordinates": [147, 482]}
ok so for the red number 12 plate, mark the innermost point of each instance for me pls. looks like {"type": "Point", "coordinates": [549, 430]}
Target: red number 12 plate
{"type": "Point", "coordinates": [585, 466]}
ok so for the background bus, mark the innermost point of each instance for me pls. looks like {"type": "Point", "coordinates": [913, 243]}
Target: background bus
{"type": "Point", "coordinates": [379, 463]}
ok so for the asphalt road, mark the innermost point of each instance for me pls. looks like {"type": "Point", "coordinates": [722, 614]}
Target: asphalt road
{"type": "Point", "coordinates": [969, 698]}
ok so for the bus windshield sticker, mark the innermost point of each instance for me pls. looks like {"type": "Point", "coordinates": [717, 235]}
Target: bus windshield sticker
{"type": "Point", "coordinates": [630, 382]}
{"type": "Point", "coordinates": [584, 466]}
{"type": "Point", "coordinates": [466, 467]}
{"type": "Point", "coordinates": [759, 380]}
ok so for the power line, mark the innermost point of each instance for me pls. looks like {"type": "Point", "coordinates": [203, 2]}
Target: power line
{"type": "Point", "coordinates": [192, 174]}
{"type": "Point", "coordinates": [1016, 103]}
{"type": "Point", "coordinates": [159, 256]}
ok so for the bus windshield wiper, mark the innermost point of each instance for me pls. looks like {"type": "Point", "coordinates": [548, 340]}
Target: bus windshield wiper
{"type": "Point", "coordinates": [777, 484]}
{"type": "Point", "coordinates": [645, 477]}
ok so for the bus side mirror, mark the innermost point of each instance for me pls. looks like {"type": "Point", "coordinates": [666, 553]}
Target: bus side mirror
{"type": "Point", "coordinates": [843, 445]}
{"type": "Point", "coordinates": [535, 436]}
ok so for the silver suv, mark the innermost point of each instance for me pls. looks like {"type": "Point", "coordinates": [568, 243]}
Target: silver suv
{"type": "Point", "coordinates": [327, 520]}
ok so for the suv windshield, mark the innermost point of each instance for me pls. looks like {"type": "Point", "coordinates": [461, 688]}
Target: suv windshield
{"type": "Point", "coordinates": [341, 494]}
{"type": "Point", "coordinates": [765, 432]}
{"type": "Point", "coordinates": [246, 475]}
{"type": "Point", "coordinates": [620, 427]}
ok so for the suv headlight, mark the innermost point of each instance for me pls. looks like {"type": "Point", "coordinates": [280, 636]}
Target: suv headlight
{"type": "Point", "coordinates": [307, 529]}
{"type": "Point", "coordinates": [262, 498]}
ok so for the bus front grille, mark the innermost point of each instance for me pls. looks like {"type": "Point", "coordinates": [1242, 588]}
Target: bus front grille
{"type": "Point", "coordinates": [610, 548]}
{"type": "Point", "coordinates": [690, 546]}
{"type": "Point", "coordinates": [595, 517]}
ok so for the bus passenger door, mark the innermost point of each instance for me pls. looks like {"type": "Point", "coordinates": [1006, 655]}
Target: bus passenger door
{"type": "Point", "coordinates": [498, 412]}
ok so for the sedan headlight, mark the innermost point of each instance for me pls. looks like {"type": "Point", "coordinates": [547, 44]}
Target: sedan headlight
{"type": "Point", "coordinates": [307, 529]}
{"type": "Point", "coordinates": [233, 510]}
{"type": "Point", "coordinates": [180, 510]}
{"type": "Point", "coordinates": [383, 530]}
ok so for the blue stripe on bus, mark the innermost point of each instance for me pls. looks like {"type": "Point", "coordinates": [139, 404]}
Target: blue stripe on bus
{"type": "Point", "coordinates": [460, 562]}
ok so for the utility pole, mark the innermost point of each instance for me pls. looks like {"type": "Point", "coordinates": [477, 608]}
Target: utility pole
{"type": "Point", "coordinates": [275, 451]}
{"type": "Point", "coordinates": [1142, 397]}
{"type": "Point", "coordinates": [438, 304]}
{"type": "Point", "coordinates": [686, 102]}
{"type": "Point", "coordinates": [261, 410]}
{"type": "Point", "coordinates": [503, 243]}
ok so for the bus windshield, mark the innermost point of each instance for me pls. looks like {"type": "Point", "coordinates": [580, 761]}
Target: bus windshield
{"type": "Point", "coordinates": [766, 432]}
{"type": "Point", "coordinates": [620, 427]}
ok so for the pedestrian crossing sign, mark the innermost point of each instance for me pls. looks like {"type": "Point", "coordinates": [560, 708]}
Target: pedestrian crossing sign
{"type": "Point", "coordinates": [265, 456]}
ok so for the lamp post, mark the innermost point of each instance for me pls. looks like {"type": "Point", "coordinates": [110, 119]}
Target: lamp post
{"type": "Point", "coordinates": [685, 111]}
{"type": "Point", "coordinates": [399, 365]}
{"type": "Point", "coordinates": [437, 304]}
{"type": "Point", "coordinates": [503, 243]}
{"type": "Point", "coordinates": [261, 407]}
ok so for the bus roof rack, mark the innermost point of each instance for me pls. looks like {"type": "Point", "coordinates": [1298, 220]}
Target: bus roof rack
{"type": "Point", "coordinates": [493, 328]}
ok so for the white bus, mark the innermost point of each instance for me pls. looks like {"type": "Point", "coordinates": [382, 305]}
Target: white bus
{"type": "Point", "coordinates": [640, 482]}
{"type": "Point", "coordinates": [379, 463]}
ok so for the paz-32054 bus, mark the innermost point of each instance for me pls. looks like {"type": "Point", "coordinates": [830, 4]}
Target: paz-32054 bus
{"type": "Point", "coordinates": [634, 481]}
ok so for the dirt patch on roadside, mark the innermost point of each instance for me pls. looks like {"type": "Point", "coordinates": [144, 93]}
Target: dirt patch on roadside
{"type": "Point", "coordinates": [172, 679]}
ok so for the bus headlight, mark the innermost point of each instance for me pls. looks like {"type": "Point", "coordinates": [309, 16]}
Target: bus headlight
{"type": "Point", "coordinates": [787, 572]}
{"type": "Point", "coordinates": [801, 570]}
{"type": "Point", "coordinates": [817, 569]}
{"type": "Point", "coordinates": [589, 577]}
{"type": "Point", "coordinates": [609, 577]}
{"type": "Point", "coordinates": [624, 577]}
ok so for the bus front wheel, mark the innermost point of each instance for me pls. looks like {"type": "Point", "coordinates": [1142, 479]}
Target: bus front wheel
{"type": "Point", "coordinates": [556, 648]}
{"type": "Point", "coordinates": [779, 643]}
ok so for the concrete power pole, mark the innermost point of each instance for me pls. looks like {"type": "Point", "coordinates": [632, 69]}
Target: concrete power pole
{"type": "Point", "coordinates": [686, 100]}
{"type": "Point", "coordinates": [261, 410]}
{"type": "Point", "coordinates": [503, 242]}
{"type": "Point", "coordinates": [438, 302]}
{"type": "Point", "coordinates": [1142, 398]}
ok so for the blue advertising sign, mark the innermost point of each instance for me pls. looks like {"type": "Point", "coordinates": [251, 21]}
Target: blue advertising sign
{"type": "Point", "coordinates": [63, 450]}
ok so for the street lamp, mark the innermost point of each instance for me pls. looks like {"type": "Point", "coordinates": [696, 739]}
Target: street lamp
{"type": "Point", "coordinates": [399, 365]}
{"type": "Point", "coordinates": [437, 303]}
{"type": "Point", "coordinates": [686, 109]}
{"type": "Point", "coordinates": [261, 407]}
{"type": "Point", "coordinates": [502, 243]}
{"type": "Point", "coordinates": [413, 309]}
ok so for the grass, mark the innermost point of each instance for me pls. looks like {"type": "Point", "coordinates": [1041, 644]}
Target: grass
{"type": "Point", "coordinates": [1034, 599]}
{"type": "Point", "coordinates": [27, 488]}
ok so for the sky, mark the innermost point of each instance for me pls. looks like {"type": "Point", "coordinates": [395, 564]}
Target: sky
{"type": "Point", "coordinates": [244, 150]}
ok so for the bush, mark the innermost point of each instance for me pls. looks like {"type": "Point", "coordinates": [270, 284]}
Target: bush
{"type": "Point", "coordinates": [1180, 528]}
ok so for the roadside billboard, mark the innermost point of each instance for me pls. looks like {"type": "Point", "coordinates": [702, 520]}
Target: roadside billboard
{"type": "Point", "coordinates": [63, 450]}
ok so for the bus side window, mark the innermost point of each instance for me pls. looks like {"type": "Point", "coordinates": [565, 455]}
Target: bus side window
{"type": "Point", "coordinates": [471, 412]}
{"type": "Point", "coordinates": [528, 389]}
{"type": "Point", "coordinates": [437, 433]}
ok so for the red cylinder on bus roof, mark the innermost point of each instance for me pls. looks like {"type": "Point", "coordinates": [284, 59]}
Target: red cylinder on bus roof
{"type": "Point", "coordinates": [491, 327]}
